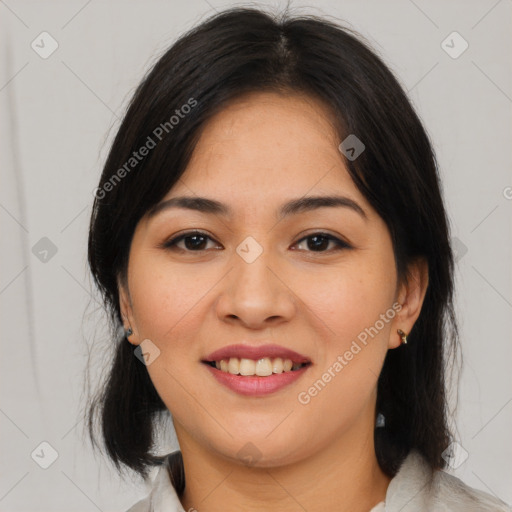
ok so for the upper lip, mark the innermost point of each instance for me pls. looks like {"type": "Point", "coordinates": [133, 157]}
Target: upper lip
{"type": "Point", "coordinates": [259, 352]}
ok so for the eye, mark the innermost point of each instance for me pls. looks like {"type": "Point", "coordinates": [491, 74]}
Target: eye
{"type": "Point", "coordinates": [319, 241]}
{"type": "Point", "coordinates": [194, 241]}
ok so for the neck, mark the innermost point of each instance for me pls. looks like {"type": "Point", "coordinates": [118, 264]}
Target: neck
{"type": "Point", "coordinates": [343, 477]}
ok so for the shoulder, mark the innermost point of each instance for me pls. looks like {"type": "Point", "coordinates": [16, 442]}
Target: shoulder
{"type": "Point", "coordinates": [141, 506]}
{"type": "Point", "coordinates": [415, 487]}
{"type": "Point", "coordinates": [456, 495]}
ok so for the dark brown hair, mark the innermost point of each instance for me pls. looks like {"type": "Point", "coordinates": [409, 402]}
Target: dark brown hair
{"type": "Point", "coordinates": [230, 54]}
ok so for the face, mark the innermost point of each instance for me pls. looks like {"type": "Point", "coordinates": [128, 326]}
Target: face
{"type": "Point", "coordinates": [320, 281]}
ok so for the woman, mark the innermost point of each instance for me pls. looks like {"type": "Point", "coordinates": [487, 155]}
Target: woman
{"type": "Point", "coordinates": [269, 230]}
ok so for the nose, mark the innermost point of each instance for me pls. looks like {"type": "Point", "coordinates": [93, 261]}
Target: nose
{"type": "Point", "coordinates": [256, 294]}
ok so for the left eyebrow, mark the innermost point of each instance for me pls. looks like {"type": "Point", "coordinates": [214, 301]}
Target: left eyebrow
{"type": "Point", "coordinates": [310, 203]}
{"type": "Point", "coordinates": [295, 206]}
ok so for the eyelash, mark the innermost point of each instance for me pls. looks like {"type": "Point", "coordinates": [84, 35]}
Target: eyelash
{"type": "Point", "coordinates": [172, 243]}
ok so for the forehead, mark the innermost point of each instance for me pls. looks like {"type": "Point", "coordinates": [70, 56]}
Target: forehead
{"type": "Point", "coordinates": [271, 144]}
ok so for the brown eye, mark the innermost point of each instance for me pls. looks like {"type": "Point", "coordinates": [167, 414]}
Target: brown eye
{"type": "Point", "coordinates": [194, 241]}
{"type": "Point", "coordinates": [318, 242]}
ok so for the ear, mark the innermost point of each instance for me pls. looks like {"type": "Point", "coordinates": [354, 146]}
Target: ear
{"type": "Point", "coordinates": [411, 295]}
{"type": "Point", "coordinates": [125, 305]}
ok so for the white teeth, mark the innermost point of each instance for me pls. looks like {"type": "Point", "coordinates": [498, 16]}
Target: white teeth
{"type": "Point", "coordinates": [262, 367]}
{"type": "Point", "coordinates": [234, 366]}
{"type": "Point", "coordinates": [246, 367]}
{"type": "Point", "coordinates": [277, 366]}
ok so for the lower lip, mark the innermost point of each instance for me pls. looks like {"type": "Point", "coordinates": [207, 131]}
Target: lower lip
{"type": "Point", "coordinates": [256, 386]}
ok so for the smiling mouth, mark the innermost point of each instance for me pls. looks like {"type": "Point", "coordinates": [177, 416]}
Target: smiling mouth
{"type": "Point", "coordinates": [263, 367]}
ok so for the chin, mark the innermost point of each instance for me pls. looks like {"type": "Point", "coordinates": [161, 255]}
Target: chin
{"type": "Point", "coordinates": [251, 452]}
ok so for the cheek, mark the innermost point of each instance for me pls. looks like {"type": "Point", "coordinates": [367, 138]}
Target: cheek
{"type": "Point", "coordinates": [165, 298]}
{"type": "Point", "coordinates": [352, 353]}
{"type": "Point", "coordinates": [168, 304]}
{"type": "Point", "coordinates": [351, 298]}
{"type": "Point", "coordinates": [353, 312]}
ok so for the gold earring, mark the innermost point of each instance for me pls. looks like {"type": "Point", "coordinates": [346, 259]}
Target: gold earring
{"type": "Point", "coordinates": [403, 336]}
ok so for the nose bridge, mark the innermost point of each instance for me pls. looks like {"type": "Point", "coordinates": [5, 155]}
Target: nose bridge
{"type": "Point", "coordinates": [254, 292]}
{"type": "Point", "coordinates": [257, 253]}
{"type": "Point", "coordinates": [252, 262]}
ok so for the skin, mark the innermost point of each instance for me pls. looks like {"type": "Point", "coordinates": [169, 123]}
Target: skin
{"type": "Point", "coordinates": [257, 153]}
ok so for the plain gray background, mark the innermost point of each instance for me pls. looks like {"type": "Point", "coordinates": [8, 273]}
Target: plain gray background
{"type": "Point", "coordinates": [58, 117]}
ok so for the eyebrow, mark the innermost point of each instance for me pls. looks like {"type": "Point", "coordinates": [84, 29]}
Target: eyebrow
{"type": "Point", "coordinates": [295, 206]}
